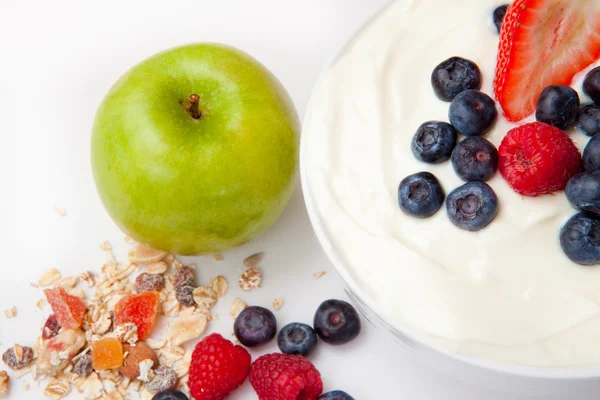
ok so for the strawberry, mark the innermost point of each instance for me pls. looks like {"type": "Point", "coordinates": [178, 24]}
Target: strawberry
{"type": "Point", "coordinates": [542, 43]}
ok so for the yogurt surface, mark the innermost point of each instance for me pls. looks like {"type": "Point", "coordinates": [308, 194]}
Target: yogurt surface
{"type": "Point", "coordinates": [506, 293]}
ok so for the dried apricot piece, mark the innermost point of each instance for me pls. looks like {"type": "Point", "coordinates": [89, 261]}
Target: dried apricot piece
{"type": "Point", "coordinates": [141, 309]}
{"type": "Point", "coordinates": [69, 310]}
{"type": "Point", "coordinates": [107, 354]}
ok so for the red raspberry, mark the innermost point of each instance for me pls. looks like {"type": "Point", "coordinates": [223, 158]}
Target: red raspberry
{"type": "Point", "coordinates": [537, 159]}
{"type": "Point", "coordinates": [217, 368]}
{"type": "Point", "coordinates": [285, 377]}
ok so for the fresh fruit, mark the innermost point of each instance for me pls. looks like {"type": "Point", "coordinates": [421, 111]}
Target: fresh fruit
{"type": "Point", "coordinates": [588, 119]}
{"type": "Point", "coordinates": [542, 43]}
{"type": "Point", "coordinates": [170, 394]}
{"type": "Point", "coordinates": [336, 322]}
{"type": "Point", "coordinates": [146, 282]}
{"type": "Point", "coordinates": [217, 368]}
{"type": "Point", "coordinates": [453, 76]}
{"type": "Point", "coordinates": [583, 191]}
{"type": "Point", "coordinates": [285, 377]}
{"type": "Point", "coordinates": [141, 309]}
{"type": "Point", "coordinates": [335, 395]}
{"type": "Point", "coordinates": [591, 155]}
{"type": "Point", "coordinates": [107, 354]}
{"type": "Point", "coordinates": [558, 105]}
{"type": "Point", "coordinates": [203, 157]}
{"type": "Point", "coordinates": [472, 206]}
{"type": "Point", "coordinates": [537, 159]}
{"type": "Point", "coordinates": [433, 142]}
{"type": "Point", "coordinates": [591, 85]}
{"type": "Point", "coordinates": [475, 159]}
{"type": "Point", "coordinates": [134, 356]}
{"type": "Point", "coordinates": [297, 339]}
{"type": "Point", "coordinates": [69, 310]}
{"type": "Point", "coordinates": [499, 14]}
{"type": "Point", "coordinates": [420, 195]}
{"type": "Point", "coordinates": [255, 326]}
{"type": "Point", "coordinates": [580, 239]}
{"type": "Point", "coordinates": [473, 113]}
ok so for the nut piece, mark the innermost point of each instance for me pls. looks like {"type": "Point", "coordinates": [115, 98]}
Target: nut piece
{"type": "Point", "coordinates": [253, 260]}
{"type": "Point", "coordinates": [58, 352]}
{"type": "Point", "coordinates": [49, 277]}
{"type": "Point", "coordinates": [3, 383]}
{"type": "Point", "coordinates": [10, 312]}
{"type": "Point", "coordinates": [164, 378]}
{"type": "Point", "coordinates": [141, 254]}
{"type": "Point", "coordinates": [135, 355]}
{"type": "Point", "coordinates": [205, 297]}
{"type": "Point", "coordinates": [83, 365]}
{"type": "Point", "coordinates": [157, 268]}
{"type": "Point", "coordinates": [250, 279]}
{"type": "Point", "coordinates": [237, 307]}
{"type": "Point", "coordinates": [277, 303]}
{"type": "Point", "coordinates": [57, 388]}
{"type": "Point", "coordinates": [17, 357]}
{"type": "Point", "coordinates": [220, 285]}
{"type": "Point", "coordinates": [189, 326]}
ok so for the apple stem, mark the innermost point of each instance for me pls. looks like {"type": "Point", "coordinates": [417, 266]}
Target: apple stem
{"type": "Point", "coordinates": [191, 106]}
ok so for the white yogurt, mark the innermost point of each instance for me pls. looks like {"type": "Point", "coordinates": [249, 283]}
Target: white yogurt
{"type": "Point", "coordinates": [506, 293]}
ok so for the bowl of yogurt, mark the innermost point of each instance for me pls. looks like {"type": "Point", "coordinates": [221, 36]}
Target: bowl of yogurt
{"type": "Point", "coordinates": [502, 307]}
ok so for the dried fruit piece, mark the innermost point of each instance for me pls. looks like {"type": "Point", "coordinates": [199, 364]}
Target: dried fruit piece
{"type": "Point", "coordinates": [107, 354]}
{"type": "Point", "coordinates": [184, 276]}
{"type": "Point", "coordinates": [164, 378]}
{"type": "Point", "coordinates": [51, 327]}
{"type": "Point", "coordinates": [185, 295]}
{"type": "Point", "coordinates": [141, 309]}
{"type": "Point", "coordinates": [3, 383]}
{"type": "Point", "coordinates": [58, 352]}
{"type": "Point", "coordinates": [135, 355]}
{"type": "Point", "coordinates": [141, 254]}
{"type": "Point", "coordinates": [149, 282]}
{"type": "Point", "coordinates": [68, 310]}
{"type": "Point", "coordinates": [17, 357]}
{"type": "Point", "coordinates": [83, 366]}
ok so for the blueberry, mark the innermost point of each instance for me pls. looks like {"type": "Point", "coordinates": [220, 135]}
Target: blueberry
{"type": "Point", "coordinates": [434, 141]}
{"type": "Point", "coordinates": [296, 338]}
{"type": "Point", "coordinates": [336, 322]}
{"type": "Point", "coordinates": [453, 76]}
{"type": "Point", "coordinates": [475, 159]}
{"type": "Point", "coordinates": [335, 395]}
{"type": "Point", "coordinates": [591, 155]}
{"type": "Point", "coordinates": [583, 191]}
{"type": "Point", "coordinates": [558, 105]}
{"type": "Point", "coordinates": [591, 85]}
{"type": "Point", "coordinates": [472, 206]}
{"type": "Point", "coordinates": [170, 394]}
{"type": "Point", "coordinates": [420, 195]}
{"type": "Point", "coordinates": [473, 113]}
{"type": "Point", "coordinates": [499, 14]}
{"type": "Point", "coordinates": [255, 326]}
{"type": "Point", "coordinates": [588, 119]}
{"type": "Point", "coordinates": [580, 239]}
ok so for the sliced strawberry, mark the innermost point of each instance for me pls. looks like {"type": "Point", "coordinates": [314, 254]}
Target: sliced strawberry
{"type": "Point", "coordinates": [542, 43]}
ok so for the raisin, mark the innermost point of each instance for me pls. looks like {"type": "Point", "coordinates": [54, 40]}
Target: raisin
{"type": "Point", "coordinates": [51, 327]}
{"type": "Point", "coordinates": [149, 283]}
{"type": "Point", "coordinates": [83, 365]}
{"type": "Point", "coordinates": [17, 357]}
{"type": "Point", "coordinates": [184, 277]}
{"type": "Point", "coordinates": [164, 378]}
{"type": "Point", "coordinates": [185, 295]}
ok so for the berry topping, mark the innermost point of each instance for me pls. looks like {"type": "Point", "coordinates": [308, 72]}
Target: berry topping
{"type": "Point", "coordinates": [543, 43]}
{"type": "Point", "coordinates": [107, 354]}
{"type": "Point", "coordinates": [537, 159]}
{"type": "Point", "coordinates": [588, 119]}
{"type": "Point", "coordinates": [580, 239]}
{"type": "Point", "coordinates": [140, 309]}
{"type": "Point", "coordinates": [296, 338]}
{"type": "Point", "coordinates": [473, 113]}
{"type": "Point", "coordinates": [285, 377]}
{"type": "Point", "coordinates": [420, 195]}
{"type": "Point", "coordinates": [499, 14]}
{"type": "Point", "coordinates": [336, 322]}
{"type": "Point", "coordinates": [583, 191]}
{"type": "Point", "coordinates": [591, 85]}
{"type": "Point", "coordinates": [433, 142]}
{"type": "Point", "coordinates": [255, 326]}
{"type": "Point", "coordinates": [472, 206]}
{"type": "Point", "coordinates": [453, 76]}
{"type": "Point", "coordinates": [69, 310]}
{"type": "Point", "coordinates": [558, 105]}
{"type": "Point", "coordinates": [335, 395]}
{"type": "Point", "coordinates": [591, 155]}
{"type": "Point", "coordinates": [217, 368]}
{"type": "Point", "coordinates": [475, 159]}
{"type": "Point", "coordinates": [170, 394]}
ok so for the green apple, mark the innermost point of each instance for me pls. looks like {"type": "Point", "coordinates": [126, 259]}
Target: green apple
{"type": "Point", "coordinates": [195, 149]}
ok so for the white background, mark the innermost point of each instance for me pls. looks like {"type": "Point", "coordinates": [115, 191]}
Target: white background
{"type": "Point", "coordinates": [57, 60]}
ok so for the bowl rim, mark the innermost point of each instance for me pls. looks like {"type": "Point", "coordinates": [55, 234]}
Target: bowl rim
{"type": "Point", "coordinates": [420, 338]}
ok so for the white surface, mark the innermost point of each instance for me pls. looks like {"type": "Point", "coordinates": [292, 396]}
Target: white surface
{"type": "Point", "coordinates": [60, 57]}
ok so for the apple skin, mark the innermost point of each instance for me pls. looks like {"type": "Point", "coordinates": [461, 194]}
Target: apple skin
{"type": "Point", "coordinates": [196, 186]}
